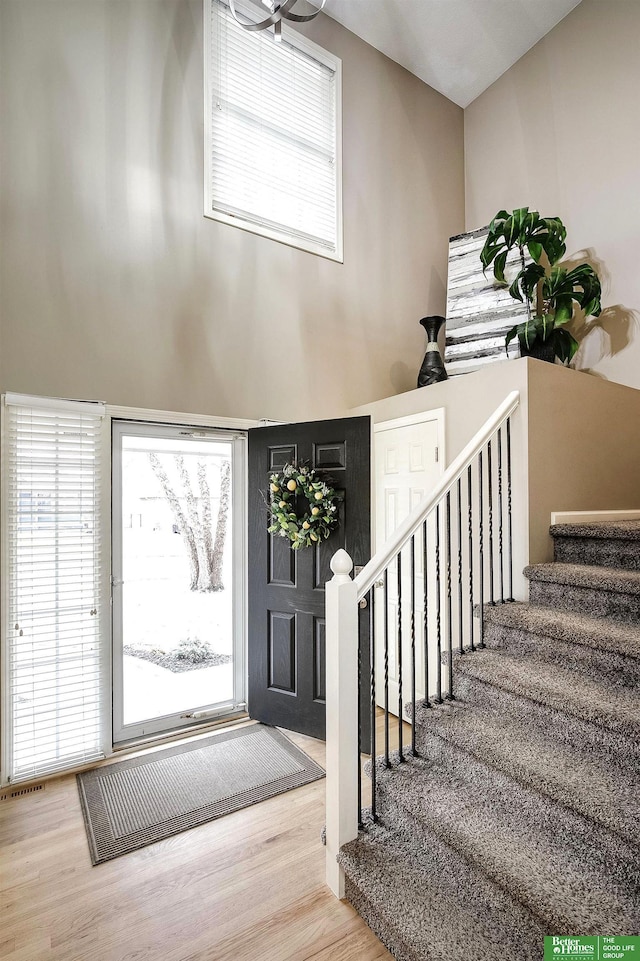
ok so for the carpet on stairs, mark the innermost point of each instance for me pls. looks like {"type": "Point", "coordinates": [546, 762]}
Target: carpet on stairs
{"type": "Point", "coordinates": [519, 817]}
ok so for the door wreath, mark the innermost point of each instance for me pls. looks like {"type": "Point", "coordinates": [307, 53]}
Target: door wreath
{"type": "Point", "coordinates": [302, 528]}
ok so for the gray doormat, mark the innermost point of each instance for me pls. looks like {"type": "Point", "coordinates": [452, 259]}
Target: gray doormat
{"type": "Point", "coordinates": [135, 802]}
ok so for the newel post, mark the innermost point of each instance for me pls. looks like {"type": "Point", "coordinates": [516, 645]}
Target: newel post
{"type": "Point", "coordinates": [342, 715]}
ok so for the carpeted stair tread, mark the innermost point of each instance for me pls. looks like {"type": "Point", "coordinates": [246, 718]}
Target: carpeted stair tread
{"type": "Point", "coordinates": [561, 689]}
{"type": "Point", "coordinates": [429, 904]}
{"type": "Point", "coordinates": [571, 626]}
{"type": "Point", "coordinates": [611, 579]}
{"type": "Point", "coordinates": [581, 776]}
{"type": "Point", "coordinates": [628, 530]}
{"type": "Point", "coordinates": [569, 872]}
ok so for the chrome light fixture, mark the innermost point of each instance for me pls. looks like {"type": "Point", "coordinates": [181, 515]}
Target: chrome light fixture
{"type": "Point", "coordinates": [278, 10]}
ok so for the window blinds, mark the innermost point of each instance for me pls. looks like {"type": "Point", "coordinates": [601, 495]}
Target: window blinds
{"type": "Point", "coordinates": [53, 664]}
{"type": "Point", "coordinates": [274, 158]}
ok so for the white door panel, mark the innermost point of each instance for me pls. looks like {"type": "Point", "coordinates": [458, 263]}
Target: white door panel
{"type": "Point", "coordinates": [408, 464]}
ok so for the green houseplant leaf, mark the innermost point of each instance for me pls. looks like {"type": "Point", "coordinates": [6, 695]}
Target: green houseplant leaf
{"type": "Point", "coordinates": [529, 279]}
{"type": "Point", "coordinates": [586, 289]}
{"type": "Point", "coordinates": [565, 345]}
{"type": "Point", "coordinates": [499, 265]}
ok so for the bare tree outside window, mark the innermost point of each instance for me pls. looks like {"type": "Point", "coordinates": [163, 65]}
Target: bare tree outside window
{"type": "Point", "coordinates": [192, 516]}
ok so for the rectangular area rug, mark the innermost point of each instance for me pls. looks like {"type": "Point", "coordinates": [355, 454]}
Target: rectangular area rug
{"type": "Point", "coordinates": [138, 801]}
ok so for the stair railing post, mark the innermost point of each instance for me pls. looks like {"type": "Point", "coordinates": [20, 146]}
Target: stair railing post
{"type": "Point", "coordinates": [342, 801]}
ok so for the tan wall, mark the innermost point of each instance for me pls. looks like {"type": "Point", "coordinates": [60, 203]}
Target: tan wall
{"type": "Point", "coordinates": [584, 448]}
{"type": "Point", "coordinates": [467, 400]}
{"type": "Point", "coordinates": [560, 132]}
{"type": "Point", "coordinates": [114, 285]}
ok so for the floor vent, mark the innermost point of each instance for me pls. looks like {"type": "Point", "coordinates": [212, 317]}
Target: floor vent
{"type": "Point", "coordinates": [20, 791]}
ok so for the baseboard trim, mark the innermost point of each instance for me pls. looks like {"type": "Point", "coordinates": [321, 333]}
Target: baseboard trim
{"type": "Point", "coordinates": [593, 517]}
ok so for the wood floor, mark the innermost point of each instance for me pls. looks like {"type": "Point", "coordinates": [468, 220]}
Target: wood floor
{"type": "Point", "coordinates": [247, 887]}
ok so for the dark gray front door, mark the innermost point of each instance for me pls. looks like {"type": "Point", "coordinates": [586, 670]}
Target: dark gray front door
{"type": "Point", "coordinates": [286, 587]}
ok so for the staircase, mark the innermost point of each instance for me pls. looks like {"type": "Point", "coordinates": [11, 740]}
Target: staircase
{"type": "Point", "coordinates": [519, 816]}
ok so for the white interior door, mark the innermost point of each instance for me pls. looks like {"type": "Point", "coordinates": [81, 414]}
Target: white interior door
{"type": "Point", "coordinates": [177, 576]}
{"type": "Point", "coordinates": [409, 460]}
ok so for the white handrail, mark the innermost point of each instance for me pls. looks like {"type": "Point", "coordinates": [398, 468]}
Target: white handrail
{"type": "Point", "coordinates": [380, 561]}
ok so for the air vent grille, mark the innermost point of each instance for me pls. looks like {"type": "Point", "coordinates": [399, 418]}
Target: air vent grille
{"type": "Point", "coordinates": [20, 791]}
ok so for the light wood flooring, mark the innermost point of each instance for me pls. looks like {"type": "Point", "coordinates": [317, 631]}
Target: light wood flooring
{"type": "Point", "coordinates": [246, 887]}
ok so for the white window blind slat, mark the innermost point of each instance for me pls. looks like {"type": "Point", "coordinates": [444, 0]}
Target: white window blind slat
{"type": "Point", "coordinates": [273, 119]}
{"type": "Point", "coordinates": [53, 659]}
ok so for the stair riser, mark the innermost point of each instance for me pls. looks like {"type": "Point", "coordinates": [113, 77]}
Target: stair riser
{"type": "Point", "coordinates": [516, 786]}
{"type": "Point", "coordinates": [616, 668]}
{"type": "Point", "coordinates": [379, 924]}
{"type": "Point", "coordinates": [586, 600]}
{"type": "Point", "coordinates": [572, 730]}
{"type": "Point", "coordinates": [599, 552]}
{"type": "Point", "coordinates": [516, 883]}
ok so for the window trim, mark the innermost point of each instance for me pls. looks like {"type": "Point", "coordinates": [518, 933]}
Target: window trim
{"type": "Point", "coordinates": [281, 235]}
{"type": "Point", "coordinates": [123, 733]}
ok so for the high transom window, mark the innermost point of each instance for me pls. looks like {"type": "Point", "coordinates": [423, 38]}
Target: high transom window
{"type": "Point", "coordinates": [272, 134]}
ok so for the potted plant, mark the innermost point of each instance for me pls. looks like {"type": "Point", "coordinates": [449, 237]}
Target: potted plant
{"type": "Point", "coordinates": [549, 290]}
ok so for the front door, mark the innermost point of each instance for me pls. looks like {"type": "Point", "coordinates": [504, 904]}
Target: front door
{"type": "Point", "coordinates": [286, 647]}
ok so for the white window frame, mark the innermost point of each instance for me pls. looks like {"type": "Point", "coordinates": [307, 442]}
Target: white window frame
{"type": "Point", "coordinates": [112, 412]}
{"type": "Point", "coordinates": [171, 723]}
{"type": "Point", "coordinates": [281, 235]}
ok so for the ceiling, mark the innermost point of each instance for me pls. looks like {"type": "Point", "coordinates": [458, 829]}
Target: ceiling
{"type": "Point", "coordinates": [459, 47]}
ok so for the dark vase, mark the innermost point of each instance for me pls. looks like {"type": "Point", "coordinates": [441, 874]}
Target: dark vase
{"type": "Point", "coordinates": [540, 350]}
{"type": "Point", "coordinates": [432, 370]}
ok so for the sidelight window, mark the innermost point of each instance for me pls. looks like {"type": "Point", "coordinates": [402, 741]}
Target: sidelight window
{"type": "Point", "coordinates": [53, 660]}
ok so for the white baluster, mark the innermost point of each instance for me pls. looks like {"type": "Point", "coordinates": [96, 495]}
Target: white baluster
{"type": "Point", "coordinates": [342, 715]}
